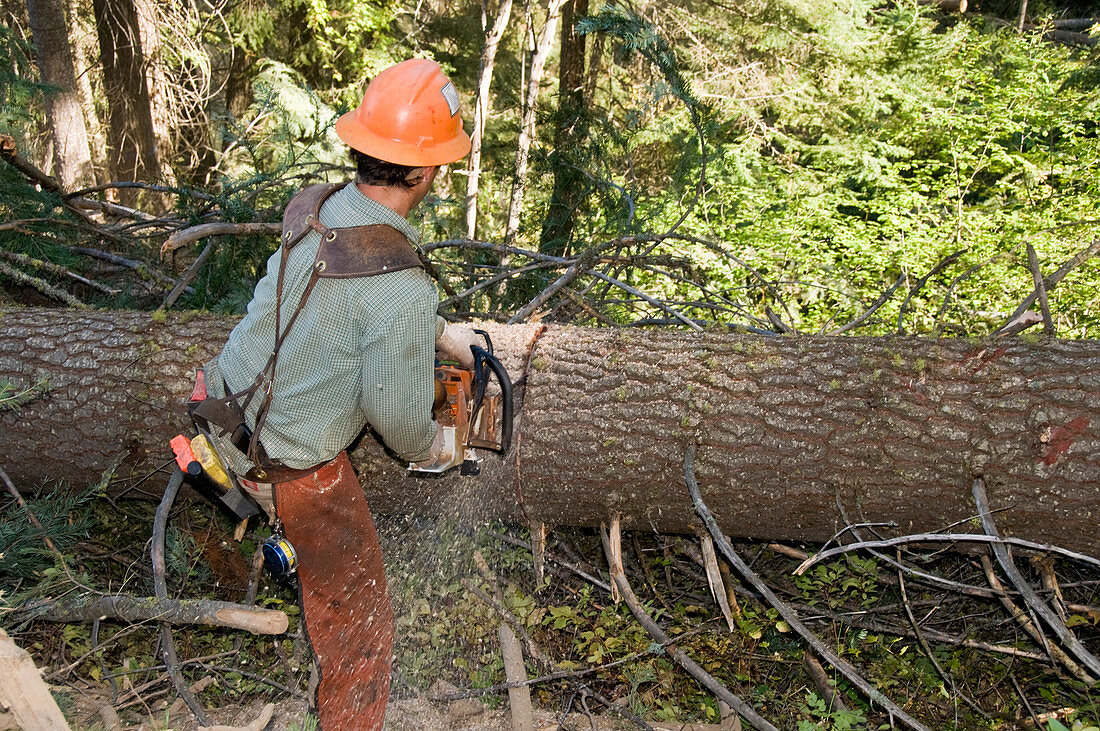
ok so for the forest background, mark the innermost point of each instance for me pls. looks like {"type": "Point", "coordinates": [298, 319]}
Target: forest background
{"type": "Point", "coordinates": [805, 157]}
{"type": "Point", "coordinates": [864, 167]}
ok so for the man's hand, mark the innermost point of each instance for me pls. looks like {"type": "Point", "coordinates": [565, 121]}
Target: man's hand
{"type": "Point", "coordinates": [455, 343]}
{"type": "Point", "coordinates": [443, 454]}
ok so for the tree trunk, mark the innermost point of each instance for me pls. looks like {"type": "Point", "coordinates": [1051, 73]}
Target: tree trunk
{"type": "Point", "coordinates": [149, 22]}
{"type": "Point", "coordinates": [72, 153]}
{"type": "Point", "coordinates": [483, 103]}
{"type": "Point", "coordinates": [787, 428]}
{"type": "Point", "coordinates": [133, 143]}
{"type": "Point", "coordinates": [530, 95]}
{"type": "Point", "coordinates": [557, 226]}
{"type": "Point", "coordinates": [85, 47]}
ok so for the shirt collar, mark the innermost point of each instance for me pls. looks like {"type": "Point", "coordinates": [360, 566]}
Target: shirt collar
{"type": "Point", "coordinates": [372, 209]}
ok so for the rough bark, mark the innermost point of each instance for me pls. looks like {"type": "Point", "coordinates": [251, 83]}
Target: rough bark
{"type": "Point", "coordinates": [72, 153]}
{"type": "Point", "coordinates": [890, 429]}
{"type": "Point", "coordinates": [530, 95]}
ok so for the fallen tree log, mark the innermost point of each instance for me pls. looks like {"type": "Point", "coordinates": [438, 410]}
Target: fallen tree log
{"type": "Point", "coordinates": [795, 435]}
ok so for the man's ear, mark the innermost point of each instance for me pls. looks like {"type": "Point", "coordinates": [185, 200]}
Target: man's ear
{"type": "Point", "coordinates": [417, 176]}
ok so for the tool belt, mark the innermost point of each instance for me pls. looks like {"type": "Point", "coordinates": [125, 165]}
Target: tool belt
{"type": "Point", "coordinates": [354, 251]}
{"type": "Point", "coordinates": [224, 418]}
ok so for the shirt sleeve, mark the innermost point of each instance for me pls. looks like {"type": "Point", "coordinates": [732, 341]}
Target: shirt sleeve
{"type": "Point", "coordinates": [399, 380]}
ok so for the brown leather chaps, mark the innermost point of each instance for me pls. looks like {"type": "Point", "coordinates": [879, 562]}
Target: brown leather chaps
{"type": "Point", "coordinates": [345, 604]}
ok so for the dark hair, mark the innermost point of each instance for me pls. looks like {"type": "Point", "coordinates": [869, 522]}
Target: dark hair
{"type": "Point", "coordinates": [372, 171]}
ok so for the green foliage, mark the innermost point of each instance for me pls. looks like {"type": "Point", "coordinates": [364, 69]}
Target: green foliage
{"type": "Point", "coordinates": [287, 127]}
{"type": "Point", "coordinates": [935, 141]}
{"type": "Point", "coordinates": [822, 719]}
{"type": "Point", "coordinates": [19, 93]}
{"type": "Point", "coordinates": [336, 44]}
{"type": "Point", "coordinates": [29, 566]}
{"type": "Point", "coordinates": [14, 397]}
{"type": "Point", "coordinates": [852, 580]}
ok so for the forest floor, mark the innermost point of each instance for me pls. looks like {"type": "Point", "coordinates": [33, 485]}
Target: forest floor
{"type": "Point", "coordinates": [441, 574]}
{"type": "Point", "coordinates": [402, 714]}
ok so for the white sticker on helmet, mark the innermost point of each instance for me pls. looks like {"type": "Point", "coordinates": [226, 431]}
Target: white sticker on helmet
{"type": "Point", "coordinates": [451, 96]}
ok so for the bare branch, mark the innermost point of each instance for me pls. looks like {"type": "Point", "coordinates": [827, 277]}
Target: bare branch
{"type": "Point", "coordinates": [944, 538]}
{"type": "Point", "coordinates": [1052, 281]}
{"type": "Point", "coordinates": [618, 575]}
{"type": "Point", "coordinates": [42, 286]}
{"type": "Point", "coordinates": [141, 609]}
{"type": "Point", "coordinates": [788, 614]}
{"type": "Point", "coordinates": [1040, 288]}
{"type": "Point", "coordinates": [1034, 602]}
{"type": "Point", "coordinates": [219, 228]}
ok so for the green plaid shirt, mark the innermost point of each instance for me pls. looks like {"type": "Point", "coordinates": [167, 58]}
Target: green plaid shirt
{"type": "Point", "coordinates": [361, 352]}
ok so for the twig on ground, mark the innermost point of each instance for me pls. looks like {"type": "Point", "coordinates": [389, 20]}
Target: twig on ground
{"type": "Point", "coordinates": [945, 538]}
{"type": "Point", "coordinates": [1027, 705]}
{"type": "Point", "coordinates": [957, 640]}
{"type": "Point", "coordinates": [544, 661]}
{"type": "Point", "coordinates": [209, 612]}
{"type": "Point", "coordinates": [784, 610]}
{"type": "Point", "coordinates": [923, 644]}
{"type": "Point", "coordinates": [1031, 598]}
{"type": "Point", "coordinates": [14, 492]}
{"type": "Point", "coordinates": [825, 687]}
{"type": "Point", "coordinates": [587, 576]}
{"type": "Point", "coordinates": [168, 649]}
{"type": "Point", "coordinates": [618, 575]}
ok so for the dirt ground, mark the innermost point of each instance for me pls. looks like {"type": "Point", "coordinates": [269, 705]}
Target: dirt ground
{"type": "Point", "coordinates": [402, 714]}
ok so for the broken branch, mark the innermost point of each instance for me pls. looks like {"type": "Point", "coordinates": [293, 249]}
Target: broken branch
{"type": "Point", "coordinates": [88, 608]}
{"type": "Point", "coordinates": [788, 614]}
{"type": "Point", "coordinates": [618, 575]}
{"type": "Point", "coordinates": [220, 228]}
{"type": "Point", "coordinates": [1034, 602]}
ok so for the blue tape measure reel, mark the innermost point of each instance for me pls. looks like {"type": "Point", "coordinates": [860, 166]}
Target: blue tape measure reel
{"type": "Point", "coordinates": [280, 557]}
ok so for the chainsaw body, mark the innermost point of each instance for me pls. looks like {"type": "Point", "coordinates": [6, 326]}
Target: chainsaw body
{"type": "Point", "coordinates": [469, 418]}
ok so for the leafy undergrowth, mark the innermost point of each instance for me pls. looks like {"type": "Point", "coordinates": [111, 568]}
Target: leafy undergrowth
{"type": "Point", "coordinates": [445, 578]}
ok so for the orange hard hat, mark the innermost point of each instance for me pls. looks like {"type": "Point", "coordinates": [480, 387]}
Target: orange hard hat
{"type": "Point", "coordinates": [408, 116]}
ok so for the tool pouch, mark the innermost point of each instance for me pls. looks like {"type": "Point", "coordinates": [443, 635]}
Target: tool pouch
{"type": "Point", "coordinates": [222, 419]}
{"type": "Point", "coordinates": [227, 416]}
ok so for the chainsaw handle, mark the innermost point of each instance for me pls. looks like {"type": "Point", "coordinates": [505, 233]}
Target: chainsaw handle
{"type": "Point", "coordinates": [484, 362]}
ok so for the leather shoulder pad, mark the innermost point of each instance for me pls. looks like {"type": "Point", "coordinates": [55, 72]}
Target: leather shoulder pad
{"type": "Point", "coordinates": [301, 207]}
{"type": "Point", "coordinates": [364, 251]}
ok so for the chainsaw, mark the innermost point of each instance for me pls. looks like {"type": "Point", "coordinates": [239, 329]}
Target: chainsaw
{"type": "Point", "coordinates": [470, 418]}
